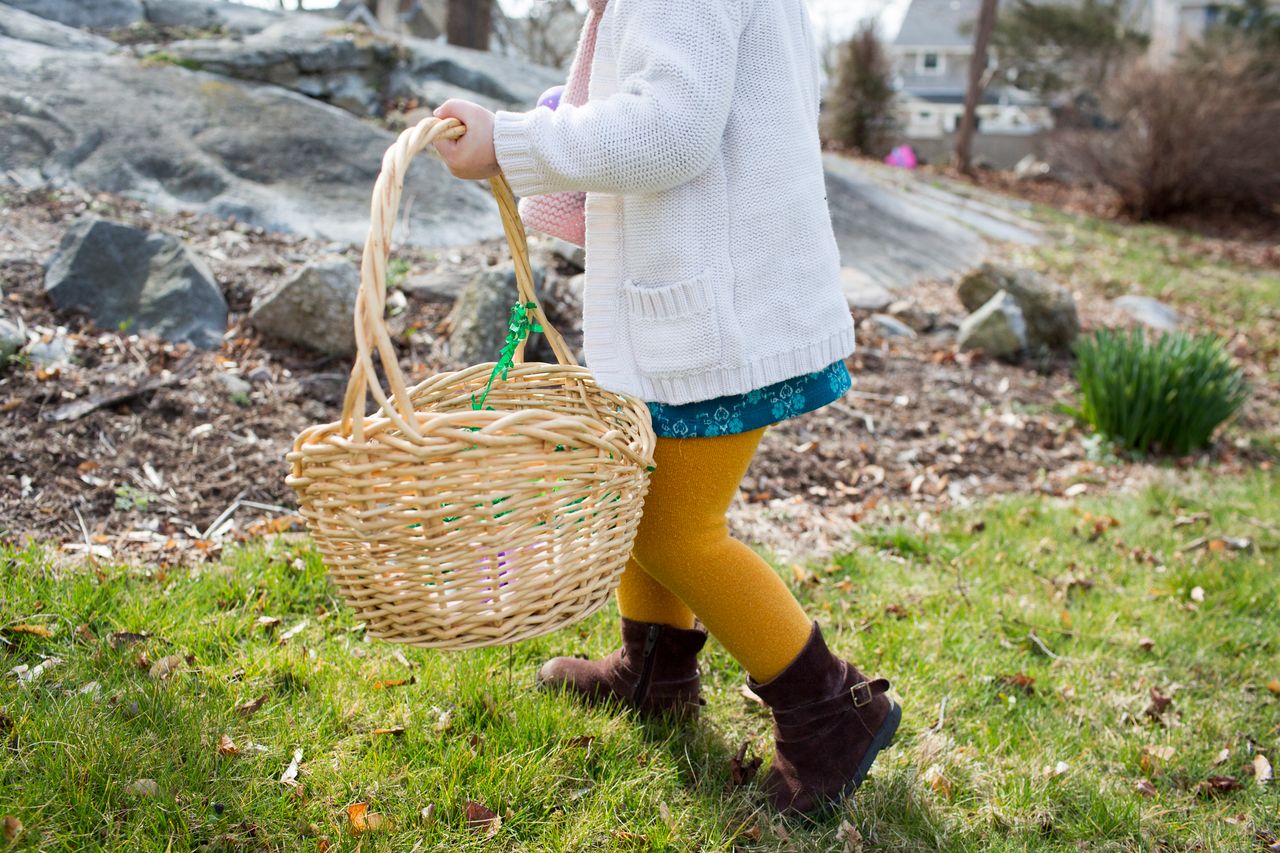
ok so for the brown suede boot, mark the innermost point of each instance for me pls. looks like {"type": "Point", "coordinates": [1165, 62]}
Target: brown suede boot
{"type": "Point", "coordinates": [655, 671]}
{"type": "Point", "coordinates": [830, 723]}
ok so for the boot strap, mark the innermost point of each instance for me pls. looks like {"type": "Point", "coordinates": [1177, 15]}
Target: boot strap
{"type": "Point", "coordinates": [860, 694]}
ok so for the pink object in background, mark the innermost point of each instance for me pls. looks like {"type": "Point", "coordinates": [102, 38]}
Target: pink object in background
{"type": "Point", "coordinates": [903, 157]}
{"type": "Point", "coordinates": [564, 215]}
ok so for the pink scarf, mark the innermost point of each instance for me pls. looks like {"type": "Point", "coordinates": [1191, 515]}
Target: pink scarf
{"type": "Point", "coordinates": [563, 214]}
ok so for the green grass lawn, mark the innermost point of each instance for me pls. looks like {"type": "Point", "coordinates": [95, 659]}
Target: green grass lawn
{"type": "Point", "coordinates": [1042, 626]}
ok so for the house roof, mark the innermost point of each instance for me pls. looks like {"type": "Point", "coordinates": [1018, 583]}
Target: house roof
{"type": "Point", "coordinates": [937, 23]}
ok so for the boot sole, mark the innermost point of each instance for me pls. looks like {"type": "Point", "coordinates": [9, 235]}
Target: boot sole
{"type": "Point", "coordinates": [882, 741]}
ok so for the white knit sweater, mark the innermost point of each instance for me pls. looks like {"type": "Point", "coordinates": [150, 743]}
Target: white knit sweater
{"type": "Point", "coordinates": [712, 268]}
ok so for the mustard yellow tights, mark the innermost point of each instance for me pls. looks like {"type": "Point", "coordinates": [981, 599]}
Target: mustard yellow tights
{"type": "Point", "coordinates": [684, 563]}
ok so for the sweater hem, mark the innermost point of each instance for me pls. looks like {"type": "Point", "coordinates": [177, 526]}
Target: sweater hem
{"type": "Point", "coordinates": [710, 384]}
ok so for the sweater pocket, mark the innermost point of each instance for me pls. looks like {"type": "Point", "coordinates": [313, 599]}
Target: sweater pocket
{"type": "Point", "coordinates": [674, 327]}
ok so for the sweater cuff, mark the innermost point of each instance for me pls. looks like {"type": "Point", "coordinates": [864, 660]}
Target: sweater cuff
{"type": "Point", "coordinates": [515, 157]}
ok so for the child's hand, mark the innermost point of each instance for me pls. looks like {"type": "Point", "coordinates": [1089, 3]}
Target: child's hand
{"type": "Point", "coordinates": [472, 157]}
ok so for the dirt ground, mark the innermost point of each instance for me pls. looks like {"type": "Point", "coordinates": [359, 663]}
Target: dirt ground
{"type": "Point", "coordinates": [186, 463]}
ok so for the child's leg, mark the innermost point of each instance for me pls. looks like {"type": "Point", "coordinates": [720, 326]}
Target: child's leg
{"type": "Point", "coordinates": [643, 599]}
{"type": "Point", "coordinates": [683, 544]}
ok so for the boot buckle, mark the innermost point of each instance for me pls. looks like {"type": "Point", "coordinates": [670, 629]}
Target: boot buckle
{"type": "Point", "coordinates": [861, 693]}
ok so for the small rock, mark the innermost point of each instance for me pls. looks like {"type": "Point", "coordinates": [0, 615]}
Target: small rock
{"type": "Point", "coordinates": [913, 315]}
{"type": "Point", "coordinates": [55, 352]}
{"type": "Point", "coordinates": [313, 308]}
{"type": "Point", "coordinates": [575, 256]}
{"type": "Point", "coordinates": [891, 327]}
{"type": "Point", "coordinates": [442, 285]}
{"type": "Point", "coordinates": [260, 376]}
{"type": "Point", "coordinates": [11, 340]}
{"type": "Point", "coordinates": [863, 293]}
{"type": "Point", "coordinates": [235, 385]}
{"type": "Point", "coordinates": [997, 328]}
{"type": "Point", "coordinates": [478, 322]}
{"type": "Point", "coordinates": [125, 278]}
{"type": "Point", "coordinates": [1151, 313]}
{"type": "Point", "coordinates": [1048, 309]}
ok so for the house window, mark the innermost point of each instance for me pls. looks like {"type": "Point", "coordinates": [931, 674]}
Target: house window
{"type": "Point", "coordinates": [924, 115]}
{"type": "Point", "coordinates": [1211, 15]}
{"type": "Point", "coordinates": [930, 63]}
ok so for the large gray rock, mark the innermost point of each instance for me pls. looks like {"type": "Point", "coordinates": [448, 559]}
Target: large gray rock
{"type": "Point", "coordinates": [84, 14]}
{"type": "Point", "coordinates": [1047, 307]}
{"type": "Point", "coordinates": [186, 140]}
{"type": "Point", "coordinates": [345, 66]}
{"type": "Point", "coordinates": [359, 71]}
{"type": "Point", "coordinates": [1151, 313]}
{"type": "Point", "coordinates": [479, 320]}
{"type": "Point", "coordinates": [313, 308]}
{"type": "Point", "coordinates": [126, 278]}
{"type": "Point", "coordinates": [209, 15]}
{"type": "Point", "coordinates": [863, 293]}
{"type": "Point", "coordinates": [24, 26]}
{"type": "Point", "coordinates": [998, 328]}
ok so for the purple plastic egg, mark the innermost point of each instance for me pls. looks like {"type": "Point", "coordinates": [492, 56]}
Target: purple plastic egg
{"type": "Point", "coordinates": [551, 97]}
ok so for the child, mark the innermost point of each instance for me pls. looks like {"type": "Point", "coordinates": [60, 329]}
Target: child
{"type": "Point", "coordinates": [712, 292]}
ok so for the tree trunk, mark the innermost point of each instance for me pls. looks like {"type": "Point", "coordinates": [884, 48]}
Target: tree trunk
{"type": "Point", "coordinates": [972, 95]}
{"type": "Point", "coordinates": [469, 23]}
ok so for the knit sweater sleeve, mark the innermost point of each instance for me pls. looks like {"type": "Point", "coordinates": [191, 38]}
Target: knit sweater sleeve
{"type": "Point", "coordinates": [676, 61]}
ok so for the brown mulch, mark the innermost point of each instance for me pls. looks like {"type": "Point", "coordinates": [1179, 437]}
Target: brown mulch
{"type": "Point", "coordinates": [174, 470]}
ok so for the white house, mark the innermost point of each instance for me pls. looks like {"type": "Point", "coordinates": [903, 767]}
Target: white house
{"type": "Point", "coordinates": [931, 55]}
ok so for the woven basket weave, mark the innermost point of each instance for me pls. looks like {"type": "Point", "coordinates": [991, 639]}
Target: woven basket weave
{"type": "Point", "coordinates": [450, 527]}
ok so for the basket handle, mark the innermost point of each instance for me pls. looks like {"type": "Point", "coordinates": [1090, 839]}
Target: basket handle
{"type": "Point", "coordinates": [371, 301]}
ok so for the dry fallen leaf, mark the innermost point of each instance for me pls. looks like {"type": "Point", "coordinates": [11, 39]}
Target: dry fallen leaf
{"type": "Point", "coordinates": [664, 812]}
{"type": "Point", "coordinates": [143, 788]}
{"type": "Point", "coordinates": [1262, 769]}
{"type": "Point", "coordinates": [12, 828]}
{"type": "Point", "coordinates": [1222, 756]}
{"type": "Point", "coordinates": [482, 821]}
{"type": "Point", "coordinates": [1154, 756]}
{"type": "Point", "coordinates": [1197, 594]}
{"type": "Point", "coordinates": [1217, 785]}
{"type": "Point", "coordinates": [1056, 770]}
{"type": "Point", "coordinates": [120, 639]}
{"type": "Point", "coordinates": [28, 675]}
{"type": "Point", "coordinates": [290, 776]}
{"type": "Point", "coordinates": [293, 632]}
{"type": "Point", "coordinates": [429, 814]}
{"type": "Point", "coordinates": [1146, 644]}
{"type": "Point", "coordinates": [1159, 703]}
{"type": "Point", "coordinates": [165, 667]}
{"type": "Point", "coordinates": [1274, 686]}
{"type": "Point", "coordinates": [741, 769]}
{"type": "Point", "coordinates": [362, 820]}
{"type": "Point", "coordinates": [226, 746]}
{"type": "Point", "coordinates": [394, 731]}
{"type": "Point", "coordinates": [268, 623]}
{"type": "Point", "coordinates": [848, 833]}
{"type": "Point", "coordinates": [1145, 788]}
{"type": "Point", "coordinates": [937, 780]}
{"type": "Point", "coordinates": [249, 708]}
{"type": "Point", "coordinates": [392, 682]}
{"type": "Point", "coordinates": [1020, 681]}
{"type": "Point", "coordinates": [33, 630]}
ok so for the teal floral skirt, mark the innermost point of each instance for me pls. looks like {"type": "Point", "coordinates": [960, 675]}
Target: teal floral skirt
{"type": "Point", "coordinates": [739, 413]}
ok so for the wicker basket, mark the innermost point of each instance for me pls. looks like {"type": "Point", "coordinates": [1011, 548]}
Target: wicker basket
{"type": "Point", "coordinates": [450, 527]}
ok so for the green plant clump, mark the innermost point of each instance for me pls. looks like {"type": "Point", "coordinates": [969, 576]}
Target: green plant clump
{"type": "Point", "coordinates": [1166, 395]}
